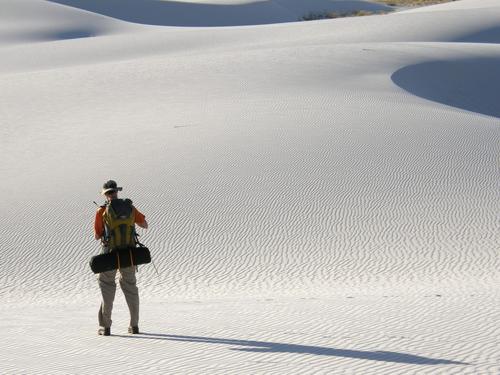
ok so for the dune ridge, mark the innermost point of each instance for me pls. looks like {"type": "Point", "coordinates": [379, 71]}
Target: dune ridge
{"type": "Point", "coordinates": [216, 12]}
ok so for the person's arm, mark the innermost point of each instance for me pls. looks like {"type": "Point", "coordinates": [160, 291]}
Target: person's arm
{"type": "Point", "coordinates": [140, 219]}
{"type": "Point", "coordinates": [98, 225]}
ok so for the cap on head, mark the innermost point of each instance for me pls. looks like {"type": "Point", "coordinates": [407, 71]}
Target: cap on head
{"type": "Point", "coordinates": [110, 186]}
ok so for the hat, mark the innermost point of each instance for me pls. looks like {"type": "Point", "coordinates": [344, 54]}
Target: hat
{"type": "Point", "coordinates": [110, 186]}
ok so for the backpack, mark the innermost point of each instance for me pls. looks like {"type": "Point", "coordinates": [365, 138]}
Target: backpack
{"type": "Point", "coordinates": [119, 224]}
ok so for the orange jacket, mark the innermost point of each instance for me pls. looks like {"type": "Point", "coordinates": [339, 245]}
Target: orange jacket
{"type": "Point", "coordinates": [139, 218]}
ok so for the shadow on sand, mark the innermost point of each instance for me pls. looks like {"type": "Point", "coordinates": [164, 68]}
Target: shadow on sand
{"type": "Point", "coordinates": [488, 35]}
{"type": "Point", "coordinates": [471, 84]}
{"type": "Point", "coordinates": [273, 347]}
{"type": "Point", "coordinates": [179, 13]}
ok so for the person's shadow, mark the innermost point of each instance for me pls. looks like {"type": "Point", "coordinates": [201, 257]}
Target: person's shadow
{"type": "Point", "coordinates": [274, 347]}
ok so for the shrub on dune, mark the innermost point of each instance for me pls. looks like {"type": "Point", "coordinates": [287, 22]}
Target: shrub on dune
{"type": "Point", "coordinates": [330, 15]}
{"type": "Point", "coordinates": [413, 2]}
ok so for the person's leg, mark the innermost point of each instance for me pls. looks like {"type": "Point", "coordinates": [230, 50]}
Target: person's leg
{"type": "Point", "coordinates": [129, 287]}
{"type": "Point", "coordinates": [107, 284]}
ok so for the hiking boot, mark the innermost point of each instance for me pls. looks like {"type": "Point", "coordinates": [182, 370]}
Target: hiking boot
{"type": "Point", "coordinates": [104, 331]}
{"type": "Point", "coordinates": [133, 330]}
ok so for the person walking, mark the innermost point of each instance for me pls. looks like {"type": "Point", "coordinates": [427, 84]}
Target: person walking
{"type": "Point", "coordinates": [105, 231]}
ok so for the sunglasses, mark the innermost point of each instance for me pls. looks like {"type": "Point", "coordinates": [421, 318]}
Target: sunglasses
{"type": "Point", "coordinates": [110, 192]}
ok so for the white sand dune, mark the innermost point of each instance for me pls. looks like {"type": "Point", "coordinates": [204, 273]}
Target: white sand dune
{"type": "Point", "coordinates": [217, 12]}
{"type": "Point", "coordinates": [28, 21]}
{"type": "Point", "coordinates": [322, 196]}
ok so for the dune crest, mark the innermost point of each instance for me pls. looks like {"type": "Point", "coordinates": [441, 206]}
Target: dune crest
{"type": "Point", "coordinates": [216, 13]}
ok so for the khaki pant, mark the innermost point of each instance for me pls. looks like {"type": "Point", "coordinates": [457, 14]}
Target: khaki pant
{"type": "Point", "coordinates": [107, 284]}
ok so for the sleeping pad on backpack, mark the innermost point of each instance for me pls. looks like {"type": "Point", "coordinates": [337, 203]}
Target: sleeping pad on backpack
{"type": "Point", "coordinates": [120, 258]}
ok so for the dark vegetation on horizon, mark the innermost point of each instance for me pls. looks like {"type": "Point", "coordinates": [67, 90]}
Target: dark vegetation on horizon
{"type": "Point", "coordinates": [329, 15]}
{"type": "Point", "coordinates": [357, 13]}
{"type": "Point", "coordinates": [413, 2]}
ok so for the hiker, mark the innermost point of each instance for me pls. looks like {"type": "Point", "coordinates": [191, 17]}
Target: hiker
{"type": "Point", "coordinates": [108, 234]}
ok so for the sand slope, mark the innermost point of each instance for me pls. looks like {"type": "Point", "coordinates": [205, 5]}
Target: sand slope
{"type": "Point", "coordinates": [323, 196]}
{"type": "Point", "coordinates": [28, 21]}
{"type": "Point", "coordinates": [217, 12]}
